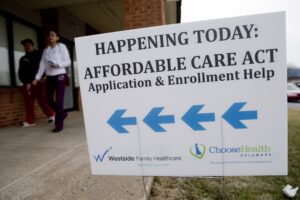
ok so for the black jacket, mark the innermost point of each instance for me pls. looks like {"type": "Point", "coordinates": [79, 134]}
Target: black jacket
{"type": "Point", "coordinates": [28, 66]}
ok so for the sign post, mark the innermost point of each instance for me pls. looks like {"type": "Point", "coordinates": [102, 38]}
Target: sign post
{"type": "Point", "coordinates": [196, 99]}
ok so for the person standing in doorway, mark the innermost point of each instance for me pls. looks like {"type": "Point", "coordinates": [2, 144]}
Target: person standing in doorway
{"type": "Point", "coordinates": [28, 67]}
{"type": "Point", "coordinates": [54, 61]}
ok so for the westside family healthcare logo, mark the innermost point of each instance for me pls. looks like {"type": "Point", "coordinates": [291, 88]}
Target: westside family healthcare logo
{"type": "Point", "coordinates": [100, 158]}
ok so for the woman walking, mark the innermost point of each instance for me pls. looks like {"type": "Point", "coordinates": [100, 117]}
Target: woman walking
{"type": "Point", "coordinates": [54, 60]}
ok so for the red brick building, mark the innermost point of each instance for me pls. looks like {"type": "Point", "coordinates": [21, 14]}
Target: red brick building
{"type": "Point", "coordinates": [21, 19]}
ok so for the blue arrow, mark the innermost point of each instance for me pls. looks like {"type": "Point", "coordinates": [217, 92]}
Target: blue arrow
{"type": "Point", "coordinates": [192, 117]}
{"type": "Point", "coordinates": [234, 115]}
{"type": "Point", "coordinates": [117, 122]}
{"type": "Point", "coordinates": [153, 120]}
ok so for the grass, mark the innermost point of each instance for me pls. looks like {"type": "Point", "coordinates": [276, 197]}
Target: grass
{"type": "Point", "coordinates": [242, 188]}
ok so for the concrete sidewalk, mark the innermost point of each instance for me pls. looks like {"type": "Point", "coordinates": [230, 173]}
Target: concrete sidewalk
{"type": "Point", "coordinates": [37, 164]}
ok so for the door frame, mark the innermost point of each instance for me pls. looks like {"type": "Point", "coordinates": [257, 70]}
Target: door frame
{"type": "Point", "coordinates": [72, 83]}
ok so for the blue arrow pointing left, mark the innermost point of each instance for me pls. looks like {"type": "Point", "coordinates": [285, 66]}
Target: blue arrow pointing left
{"type": "Point", "coordinates": [153, 120]}
{"type": "Point", "coordinates": [117, 122]}
{"type": "Point", "coordinates": [193, 118]}
{"type": "Point", "coordinates": [234, 115]}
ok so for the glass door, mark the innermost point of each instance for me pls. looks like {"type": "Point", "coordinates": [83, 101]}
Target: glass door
{"type": "Point", "coordinates": [69, 103]}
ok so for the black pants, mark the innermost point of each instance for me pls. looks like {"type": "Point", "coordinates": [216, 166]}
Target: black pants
{"type": "Point", "coordinates": [55, 89]}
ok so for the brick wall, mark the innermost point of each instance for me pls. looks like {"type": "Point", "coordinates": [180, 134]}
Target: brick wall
{"type": "Point", "coordinates": [144, 13]}
{"type": "Point", "coordinates": [12, 110]}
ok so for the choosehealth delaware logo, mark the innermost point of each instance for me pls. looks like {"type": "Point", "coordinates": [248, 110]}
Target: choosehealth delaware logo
{"type": "Point", "coordinates": [198, 150]}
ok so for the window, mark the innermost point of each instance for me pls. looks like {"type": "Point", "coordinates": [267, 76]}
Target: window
{"type": "Point", "coordinates": [4, 60]}
{"type": "Point", "coordinates": [21, 32]}
{"type": "Point", "coordinates": [12, 31]}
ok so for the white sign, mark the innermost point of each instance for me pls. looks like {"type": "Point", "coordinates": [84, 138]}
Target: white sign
{"type": "Point", "coordinates": [195, 99]}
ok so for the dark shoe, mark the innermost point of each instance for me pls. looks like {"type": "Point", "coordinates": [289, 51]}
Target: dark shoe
{"type": "Point", "coordinates": [56, 130]}
{"type": "Point", "coordinates": [66, 115]}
